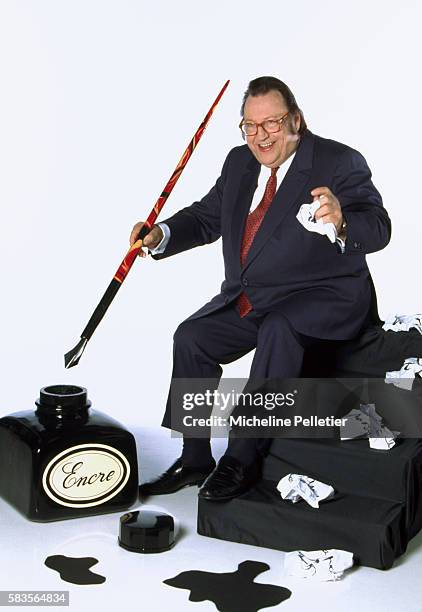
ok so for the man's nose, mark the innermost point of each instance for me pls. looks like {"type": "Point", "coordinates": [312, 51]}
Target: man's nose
{"type": "Point", "coordinates": [263, 133]}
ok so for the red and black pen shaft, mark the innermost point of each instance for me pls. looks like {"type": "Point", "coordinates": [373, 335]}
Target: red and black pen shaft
{"type": "Point", "coordinates": [72, 357]}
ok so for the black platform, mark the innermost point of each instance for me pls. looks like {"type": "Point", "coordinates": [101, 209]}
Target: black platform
{"type": "Point", "coordinates": [377, 507]}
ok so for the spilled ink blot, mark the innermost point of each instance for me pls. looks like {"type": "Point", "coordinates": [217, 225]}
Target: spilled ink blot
{"type": "Point", "coordinates": [75, 569]}
{"type": "Point", "coordinates": [234, 591]}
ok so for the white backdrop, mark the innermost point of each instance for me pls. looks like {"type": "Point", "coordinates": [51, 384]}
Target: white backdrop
{"type": "Point", "coordinates": [98, 100]}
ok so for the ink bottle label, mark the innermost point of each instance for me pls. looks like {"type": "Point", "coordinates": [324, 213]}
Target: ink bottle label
{"type": "Point", "coordinates": [86, 475]}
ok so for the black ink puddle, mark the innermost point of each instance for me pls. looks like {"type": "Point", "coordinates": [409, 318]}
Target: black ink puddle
{"type": "Point", "coordinates": [234, 591]}
{"type": "Point", "coordinates": [75, 569]}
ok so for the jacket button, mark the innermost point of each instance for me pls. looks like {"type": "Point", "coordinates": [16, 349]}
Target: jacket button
{"type": "Point", "coordinates": [245, 282]}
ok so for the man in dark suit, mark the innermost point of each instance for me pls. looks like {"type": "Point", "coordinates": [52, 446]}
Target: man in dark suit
{"type": "Point", "coordinates": [285, 287]}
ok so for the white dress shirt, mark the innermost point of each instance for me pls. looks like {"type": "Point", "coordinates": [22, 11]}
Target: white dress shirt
{"type": "Point", "coordinates": [264, 175]}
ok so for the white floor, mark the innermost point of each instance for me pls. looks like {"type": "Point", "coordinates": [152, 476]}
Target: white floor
{"type": "Point", "coordinates": [135, 582]}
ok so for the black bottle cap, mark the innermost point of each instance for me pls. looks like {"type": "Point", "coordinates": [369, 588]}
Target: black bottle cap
{"type": "Point", "coordinates": [146, 531]}
{"type": "Point", "coordinates": [63, 396]}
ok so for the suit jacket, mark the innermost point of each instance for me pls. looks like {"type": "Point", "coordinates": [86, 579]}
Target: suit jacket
{"type": "Point", "coordinates": [324, 293]}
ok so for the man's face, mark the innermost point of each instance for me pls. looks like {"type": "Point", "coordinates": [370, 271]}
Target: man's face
{"type": "Point", "coordinates": [271, 149]}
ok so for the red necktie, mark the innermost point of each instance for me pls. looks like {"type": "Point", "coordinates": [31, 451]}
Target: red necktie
{"type": "Point", "coordinates": [253, 223]}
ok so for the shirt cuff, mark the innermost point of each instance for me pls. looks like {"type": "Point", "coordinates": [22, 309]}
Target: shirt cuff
{"type": "Point", "coordinates": [341, 243]}
{"type": "Point", "coordinates": [161, 246]}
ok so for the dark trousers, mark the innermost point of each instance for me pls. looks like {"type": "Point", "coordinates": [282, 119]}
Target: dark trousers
{"type": "Point", "coordinates": [202, 345]}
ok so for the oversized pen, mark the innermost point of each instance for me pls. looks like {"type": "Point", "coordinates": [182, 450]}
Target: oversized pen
{"type": "Point", "coordinates": [72, 357]}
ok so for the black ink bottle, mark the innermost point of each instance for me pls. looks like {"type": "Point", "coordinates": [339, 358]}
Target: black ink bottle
{"type": "Point", "coordinates": [64, 460]}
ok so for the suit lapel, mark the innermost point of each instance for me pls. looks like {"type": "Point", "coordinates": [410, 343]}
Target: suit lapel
{"type": "Point", "coordinates": [285, 198]}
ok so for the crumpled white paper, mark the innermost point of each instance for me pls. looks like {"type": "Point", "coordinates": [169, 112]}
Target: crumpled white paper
{"type": "Point", "coordinates": [294, 487]}
{"type": "Point", "coordinates": [318, 564]}
{"type": "Point", "coordinates": [306, 216]}
{"type": "Point", "coordinates": [385, 443]}
{"type": "Point", "coordinates": [367, 423]}
{"type": "Point", "coordinates": [397, 322]}
{"type": "Point", "coordinates": [404, 377]}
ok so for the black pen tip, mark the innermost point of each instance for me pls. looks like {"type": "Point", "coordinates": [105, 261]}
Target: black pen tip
{"type": "Point", "coordinates": [72, 357]}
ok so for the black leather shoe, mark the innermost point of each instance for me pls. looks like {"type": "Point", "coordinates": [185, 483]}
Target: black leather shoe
{"type": "Point", "coordinates": [175, 478]}
{"type": "Point", "coordinates": [229, 479]}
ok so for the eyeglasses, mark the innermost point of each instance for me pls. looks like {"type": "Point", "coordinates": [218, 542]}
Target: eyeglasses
{"type": "Point", "coordinates": [249, 128]}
